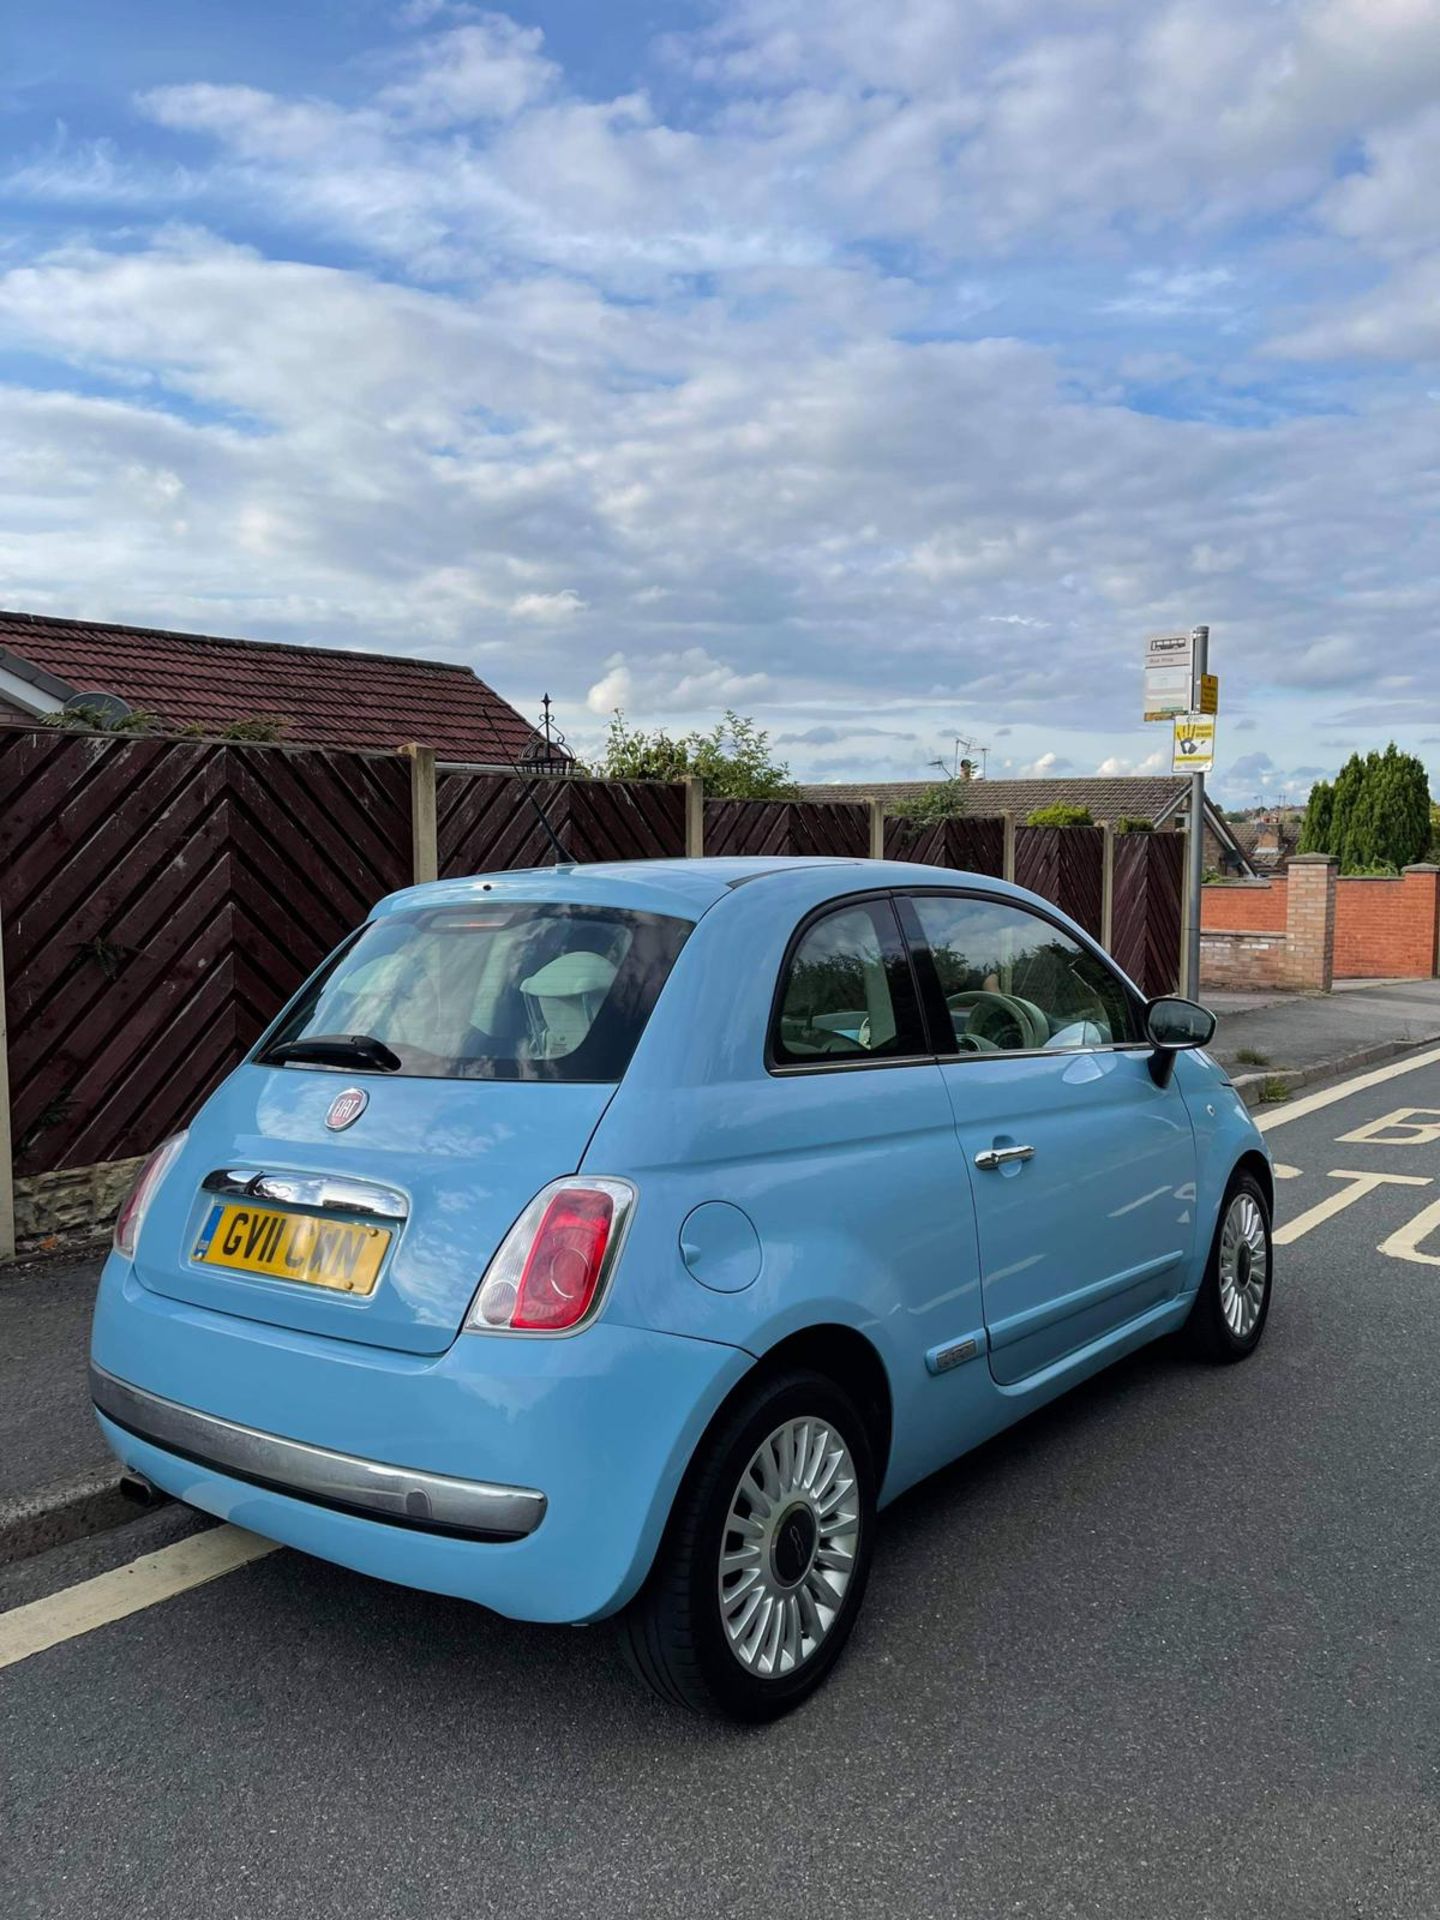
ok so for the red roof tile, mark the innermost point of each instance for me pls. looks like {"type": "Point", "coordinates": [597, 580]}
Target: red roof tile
{"type": "Point", "coordinates": [323, 695]}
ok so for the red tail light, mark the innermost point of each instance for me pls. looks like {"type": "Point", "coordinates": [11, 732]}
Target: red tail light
{"type": "Point", "coordinates": [553, 1264]}
{"type": "Point", "coordinates": [132, 1215]}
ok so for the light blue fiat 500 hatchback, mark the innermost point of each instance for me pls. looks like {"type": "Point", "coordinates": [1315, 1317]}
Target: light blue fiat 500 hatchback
{"type": "Point", "coordinates": [621, 1237]}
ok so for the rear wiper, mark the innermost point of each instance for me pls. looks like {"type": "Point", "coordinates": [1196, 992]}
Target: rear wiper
{"type": "Point", "coordinates": [336, 1050]}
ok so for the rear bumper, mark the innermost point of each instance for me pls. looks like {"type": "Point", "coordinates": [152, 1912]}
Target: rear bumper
{"type": "Point", "coordinates": [548, 1465]}
{"type": "Point", "coordinates": [403, 1496]}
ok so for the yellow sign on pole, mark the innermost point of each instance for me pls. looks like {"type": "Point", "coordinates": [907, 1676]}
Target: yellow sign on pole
{"type": "Point", "coordinates": [1194, 750]}
{"type": "Point", "coordinates": [1209, 693]}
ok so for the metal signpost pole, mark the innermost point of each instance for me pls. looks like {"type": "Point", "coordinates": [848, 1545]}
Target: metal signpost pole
{"type": "Point", "coordinates": [1195, 851]}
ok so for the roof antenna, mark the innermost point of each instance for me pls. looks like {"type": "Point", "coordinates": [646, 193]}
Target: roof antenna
{"type": "Point", "coordinates": [562, 858]}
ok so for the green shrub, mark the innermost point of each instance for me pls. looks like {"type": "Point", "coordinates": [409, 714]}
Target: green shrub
{"type": "Point", "coordinates": [733, 759]}
{"type": "Point", "coordinates": [1060, 815]}
{"type": "Point", "coordinates": [1127, 823]}
{"type": "Point", "coordinates": [941, 800]}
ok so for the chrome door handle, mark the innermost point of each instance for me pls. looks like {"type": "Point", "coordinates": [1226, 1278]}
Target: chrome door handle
{"type": "Point", "coordinates": [997, 1156]}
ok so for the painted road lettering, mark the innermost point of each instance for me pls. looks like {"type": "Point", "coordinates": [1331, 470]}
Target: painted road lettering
{"type": "Point", "coordinates": [1405, 1127]}
{"type": "Point", "coordinates": [1360, 1185]}
{"type": "Point", "coordinates": [1405, 1242]}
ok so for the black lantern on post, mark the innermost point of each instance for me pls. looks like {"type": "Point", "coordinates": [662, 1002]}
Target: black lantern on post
{"type": "Point", "coordinates": [545, 750]}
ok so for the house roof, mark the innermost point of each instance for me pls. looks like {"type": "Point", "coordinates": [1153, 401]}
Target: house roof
{"type": "Point", "coordinates": [1133, 796]}
{"type": "Point", "coordinates": [1110, 797]}
{"type": "Point", "coordinates": [325, 696]}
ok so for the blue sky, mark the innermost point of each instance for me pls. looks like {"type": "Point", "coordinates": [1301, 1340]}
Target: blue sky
{"type": "Point", "coordinates": [885, 373]}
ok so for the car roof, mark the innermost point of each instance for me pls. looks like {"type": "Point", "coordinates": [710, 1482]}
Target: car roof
{"type": "Point", "coordinates": [686, 889]}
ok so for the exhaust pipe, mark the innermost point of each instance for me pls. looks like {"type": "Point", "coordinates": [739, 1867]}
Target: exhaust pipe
{"type": "Point", "coordinates": [136, 1487]}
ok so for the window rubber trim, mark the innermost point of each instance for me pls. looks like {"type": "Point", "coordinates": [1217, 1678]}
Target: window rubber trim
{"type": "Point", "coordinates": [932, 1001]}
{"type": "Point", "coordinates": [918, 1026]}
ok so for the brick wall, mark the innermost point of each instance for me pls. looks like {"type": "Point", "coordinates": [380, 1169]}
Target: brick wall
{"type": "Point", "coordinates": [1298, 954]}
{"type": "Point", "coordinates": [1385, 929]}
{"type": "Point", "coordinates": [1243, 962]}
{"type": "Point", "coordinates": [1244, 906]}
{"type": "Point", "coordinates": [1310, 922]}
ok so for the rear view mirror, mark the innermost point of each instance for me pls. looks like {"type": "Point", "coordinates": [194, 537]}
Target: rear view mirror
{"type": "Point", "coordinates": [1172, 1026]}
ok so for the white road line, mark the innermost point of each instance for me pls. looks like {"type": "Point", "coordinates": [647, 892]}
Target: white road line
{"type": "Point", "coordinates": [125, 1590]}
{"type": "Point", "coordinates": [1313, 1102]}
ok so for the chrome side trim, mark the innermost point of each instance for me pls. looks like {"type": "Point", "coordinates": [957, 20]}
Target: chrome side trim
{"type": "Point", "coordinates": [330, 1192]}
{"type": "Point", "coordinates": [405, 1496]}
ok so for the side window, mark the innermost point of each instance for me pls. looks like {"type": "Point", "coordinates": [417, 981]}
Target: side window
{"type": "Point", "coordinates": [846, 993]}
{"type": "Point", "coordinates": [1013, 981]}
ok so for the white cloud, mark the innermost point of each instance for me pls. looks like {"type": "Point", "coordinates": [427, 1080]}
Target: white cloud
{"type": "Point", "coordinates": [734, 404]}
{"type": "Point", "coordinates": [563, 605]}
{"type": "Point", "coordinates": [1117, 764]}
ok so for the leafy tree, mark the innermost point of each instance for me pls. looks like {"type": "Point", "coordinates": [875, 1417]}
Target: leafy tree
{"type": "Point", "coordinates": [1319, 812]}
{"type": "Point", "coordinates": [941, 800]}
{"type": "Point", "coordinates": [1377, 816]}
{"type": "Point", "coordinates": [733, 759]}
{"type": "Point", "coordinates": [1062, 814]}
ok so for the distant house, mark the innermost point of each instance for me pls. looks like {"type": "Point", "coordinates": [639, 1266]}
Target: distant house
{"type": "Point", "coordinates": [316, 696]}
{"type": "Point", "coordinates": [1160, 799]}
{"type": "Point", "coordinates": [1269, 840]}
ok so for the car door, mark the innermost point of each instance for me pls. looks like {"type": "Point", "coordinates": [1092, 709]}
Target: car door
{"type": "Point", "coordinates": [1082, 1167]}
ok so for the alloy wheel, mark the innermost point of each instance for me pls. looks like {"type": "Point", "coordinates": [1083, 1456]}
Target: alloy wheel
{"type": "Point", "coordinates": [1244, 1265]}
{"type": "Point", "coordinates": [789, 1547]}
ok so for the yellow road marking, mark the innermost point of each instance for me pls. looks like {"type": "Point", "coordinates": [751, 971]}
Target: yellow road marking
{"type": "Point", "coordinates": [1313, 1102]}
{"type": "Point", "coordinates": [125, 1590]}
{"type": "Point", "coordinates": [1404, 1243]}
{"type": "Point", "coordinates": [1360, 1185]}
{"type": "Point", "coordinates": [1398, 1129]}
{"type": "Point", "coordinates": [1282, 1172]}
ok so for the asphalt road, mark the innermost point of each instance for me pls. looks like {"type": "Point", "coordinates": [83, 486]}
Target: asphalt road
{"type": "Point", "coordinates": [1169, 1649]}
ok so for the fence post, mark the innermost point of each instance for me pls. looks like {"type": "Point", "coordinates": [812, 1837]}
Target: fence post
{"type": "Point", "coordinates": [877, 827]}
{"type": "Point", "coordinates": [424, 840]}
{"type": "Point", "coordinates": [1107, 886]}
{"type": "Point", "coordinates": [7, 1157]}
{"type": "Point", "coordinates": [694, 816]}
{"type": "Point", "coordinates": [1007, 859]}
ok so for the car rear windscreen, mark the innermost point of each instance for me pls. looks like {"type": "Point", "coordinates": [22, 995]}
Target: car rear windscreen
{"type": "Point", "coordinates": [519, 990]}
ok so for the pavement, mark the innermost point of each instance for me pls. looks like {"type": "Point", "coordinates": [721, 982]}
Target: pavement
{"type": "Point", "coordinates": [1167, 1648]}
{"type": "Point", "coordinates": [58, 1480]}
{"type": "Point", "coordinates": [1300, 1038]}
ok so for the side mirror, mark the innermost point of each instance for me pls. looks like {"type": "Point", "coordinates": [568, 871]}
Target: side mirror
{"type": "Point", "coordinates": [1173, 1026]}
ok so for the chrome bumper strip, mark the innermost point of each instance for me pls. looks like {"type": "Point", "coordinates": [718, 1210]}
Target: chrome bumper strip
{"type": "Point", "coordinates": [404, 1496]}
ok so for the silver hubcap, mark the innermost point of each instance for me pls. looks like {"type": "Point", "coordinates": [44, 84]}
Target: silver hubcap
{"type": "Point", "coordinates": [1244, 1265]}
{"type": "Point", "coordinates": [789, 1549]}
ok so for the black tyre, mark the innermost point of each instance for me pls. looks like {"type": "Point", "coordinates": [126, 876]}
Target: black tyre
{"type": "Point", "coordinates": [763, 1566]}
{"type": "Point", "coordinates": [1233, 1304]}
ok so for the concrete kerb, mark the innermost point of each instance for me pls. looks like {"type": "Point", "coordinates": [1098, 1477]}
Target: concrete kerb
{"type": "Point", "coordinates": [32, 1523]}
{"type": "Point", "coordinates": [1250, 1086]}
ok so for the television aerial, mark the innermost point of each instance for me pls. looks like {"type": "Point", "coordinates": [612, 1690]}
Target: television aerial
{"type": "Point", "coordinates": [103, 708]}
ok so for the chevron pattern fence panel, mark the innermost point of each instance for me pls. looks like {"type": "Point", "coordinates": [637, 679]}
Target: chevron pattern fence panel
{"type": "Point", "coordinates": [161, 899]}
{"type": "Point", "coordinates": [1064, 865]}
{"type": "Point", "coordinates": [770, 827]}
{"type": "Point", "coordinates": [968, 845]}
{"type": "Point", "coordinates": [1149, 888]}
{"type": "Point", "coordinates": [488, 823]}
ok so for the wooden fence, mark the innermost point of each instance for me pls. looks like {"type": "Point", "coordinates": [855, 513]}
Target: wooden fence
{"type": "Point", "coordinates": [161, 898]}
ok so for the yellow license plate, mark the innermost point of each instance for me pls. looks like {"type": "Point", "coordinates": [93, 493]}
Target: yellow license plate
{"type": "Point", "coordinates": [293, 1246]}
